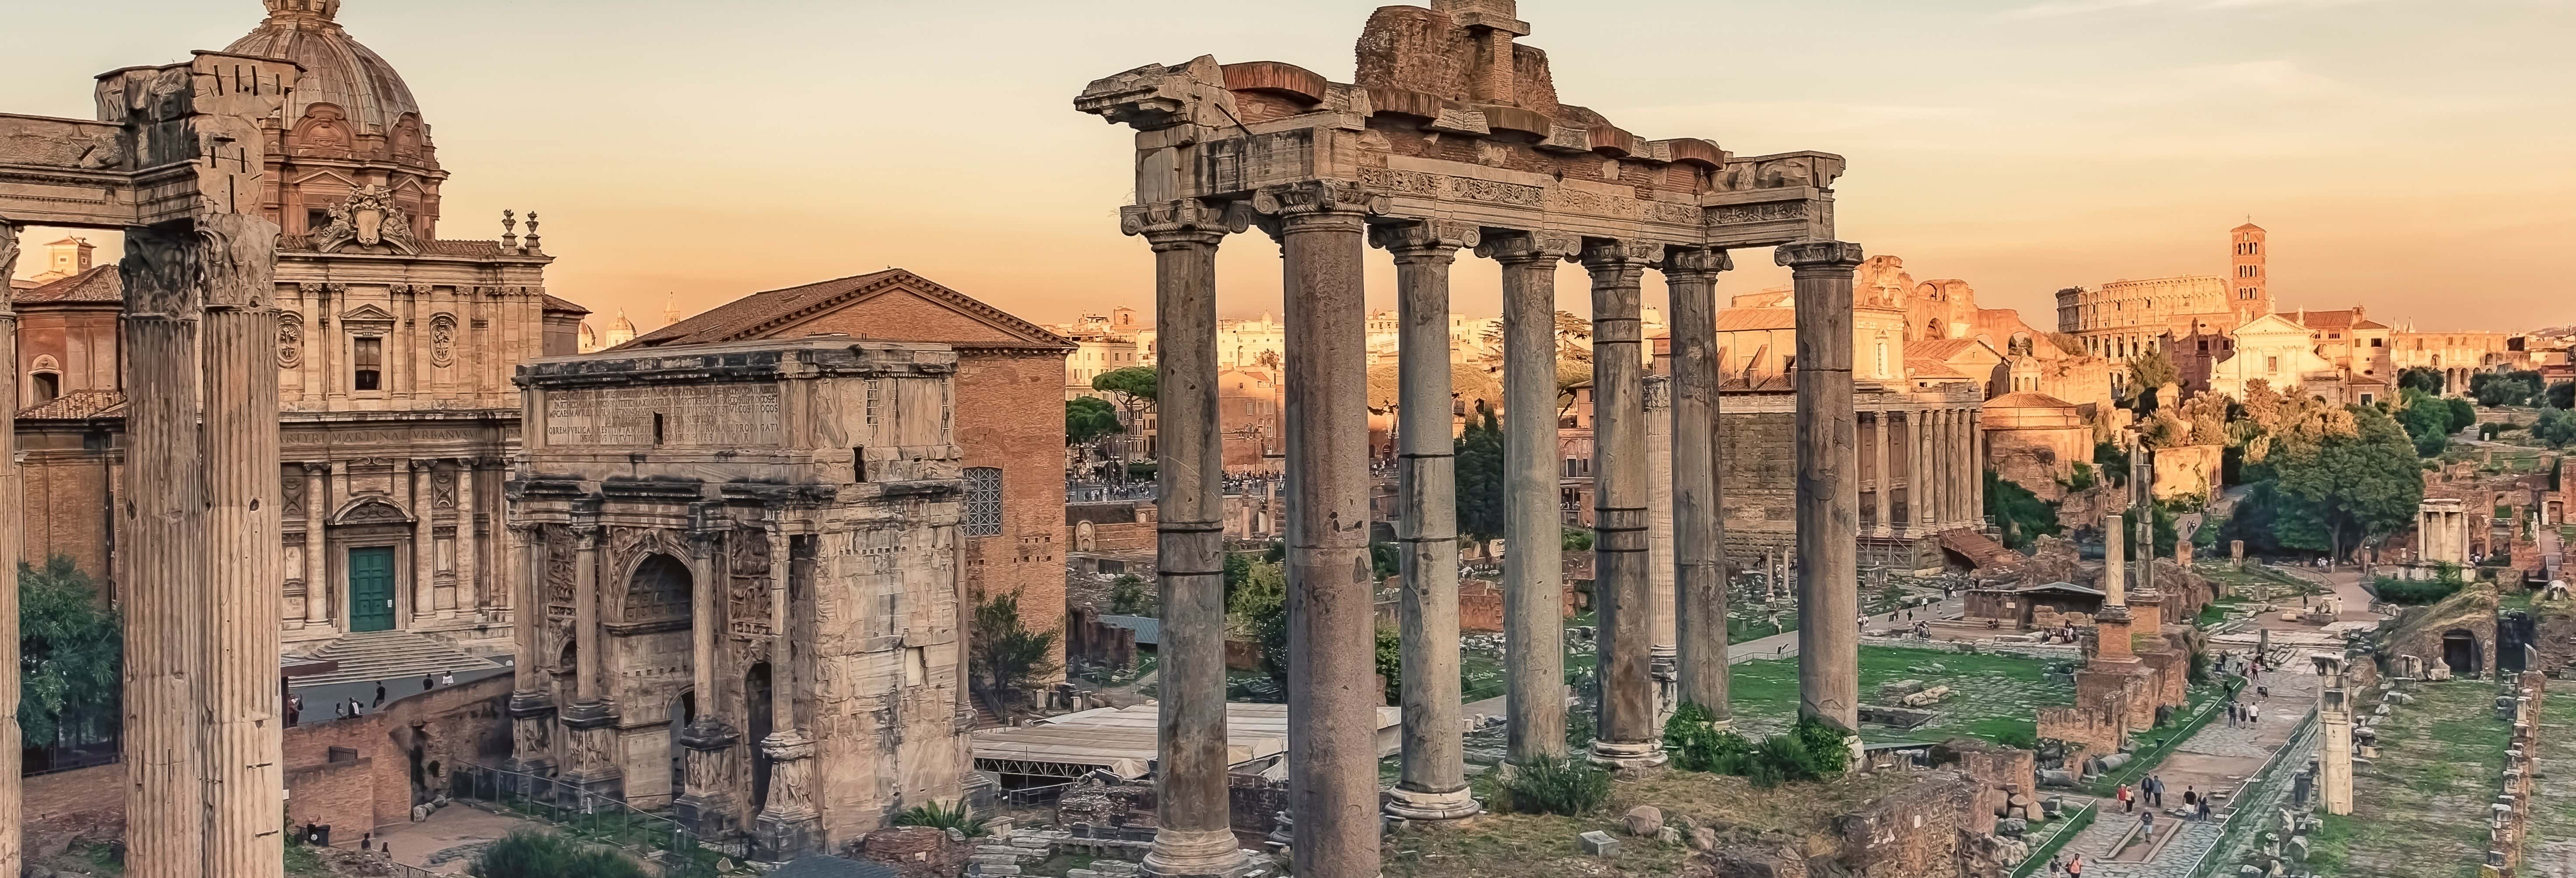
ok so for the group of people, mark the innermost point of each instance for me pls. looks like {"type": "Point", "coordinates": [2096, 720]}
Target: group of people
{"type": "Point", "coordinates": [353, 707]}
{"type": "Point", "coordinates": [2152, 792]}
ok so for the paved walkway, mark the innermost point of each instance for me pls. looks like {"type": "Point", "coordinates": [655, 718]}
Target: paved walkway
{"type": "Point", "coordinates": [448, 841]}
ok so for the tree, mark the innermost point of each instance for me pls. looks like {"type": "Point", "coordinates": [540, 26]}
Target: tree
{"type": "Point", "coordinates": [2147, 372]}
{"type": "Point", "coordinates": [2351, 486]}
{"type": "Point", "coordinates": [535, 854]}
{"type": "Point", "coordinates": [1390, 662]}
{"type": "Point", "coordinates": [2556, 427]}
{"type": "Point", "coordinates": [1258, 608]}
{"type": "Point", "coordinates": [1479, 474]}
{"type": "Point", "coordinates": [1135, 387]}
{"type": "Point", "coordinates": [2463, 413]}
{"type": "Point", "coordinates": [2562, 395]}
{"type": "Point", "coordinates": [2427, 421]}
{"type": "Point", "coordinates": [2520, 387]}
{"type": "Point", "coordinates": [70, 652]}
{"type": "Point", "coordinates": [1128, 596]}
{"type": "Point", "coordinates": [2424, 378]}
{"type": "Point", "coordinates": [1005, 655]}
{"type": "Point", "coordinates": [1088, 419]}
{"type": "Point", "coordinates": [2025, 517]}
{"type": "Point", "coordinates": [2114, 461]}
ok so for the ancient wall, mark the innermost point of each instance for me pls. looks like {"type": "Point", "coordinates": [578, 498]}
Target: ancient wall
{"type": "Point", "coordinates": [76, 474]}
{"type": "Point", "coordinates": [371, 784]}
{"type": "Point", "coordinates": [2188, 471]}
{"type": "Point", "coordinates": [995, 395]}
{"type": "Point", "coordinates": [2039, 459]}
{"type": "Point", "coordinates": [1480, 604]}
{"type": "Point", "coordinates": [1757, 475]}
{"type": "Point", "coordinates": [1911, 833]}
{"type": "Point", "coordinates": [1121, 526]}
{"type": "Point", "coordinates": [82, 805]}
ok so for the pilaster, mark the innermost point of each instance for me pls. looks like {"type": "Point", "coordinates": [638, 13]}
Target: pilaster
{"type": "Point", "coordinates": [318, 600]}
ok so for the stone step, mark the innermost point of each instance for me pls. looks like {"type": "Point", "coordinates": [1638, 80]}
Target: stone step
{"type": "Point", "coordinates": [389, 655]}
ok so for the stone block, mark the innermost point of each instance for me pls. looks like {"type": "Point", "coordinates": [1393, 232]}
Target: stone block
{"type": "Point", "coordinates": [1644, 821]}
{"type": "Point", "coordinates": [1599, 844]}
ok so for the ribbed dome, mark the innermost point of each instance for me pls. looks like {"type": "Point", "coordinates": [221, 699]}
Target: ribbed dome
{"type": "Point", "coordinates": [337, 70]}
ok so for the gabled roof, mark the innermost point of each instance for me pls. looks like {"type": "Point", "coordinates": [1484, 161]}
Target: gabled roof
{"type": "Point", "coordinates": [99, 284]}
{"type": "Point", "coordinates": [2028, 399]}
{"type": "Point", "coordinates": [558, 305]}
{"type": "Point", "coordinates": [2338, 319]}
{"type": "Point", "coordinates": [2367, 323]}
{"type": "Point", "coordinates": [759, 314]}
{"type": "Point", "coordinates": [1946, 349]}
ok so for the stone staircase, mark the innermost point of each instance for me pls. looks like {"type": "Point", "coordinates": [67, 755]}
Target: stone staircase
{"type": "Point", "coordinates": [389, 655]}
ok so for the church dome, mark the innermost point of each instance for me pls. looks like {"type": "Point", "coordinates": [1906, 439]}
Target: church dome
{"type": "Point", "coordinates": [337, 69]}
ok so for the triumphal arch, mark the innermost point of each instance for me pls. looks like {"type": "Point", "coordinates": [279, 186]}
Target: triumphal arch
{"type": "Point", "coordinates": [1452, 136]}
{"type": "Point", "coordinates": [748, 552]}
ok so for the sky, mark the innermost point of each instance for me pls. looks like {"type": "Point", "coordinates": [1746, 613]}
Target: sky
{"type": "Point", "coordinates": [2410, 156]}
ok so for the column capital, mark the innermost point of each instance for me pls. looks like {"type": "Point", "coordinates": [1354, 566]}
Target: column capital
{"type": "Point", "coordinates": [1184, 222]}
{"type": "Point", "coordinates": [316, 467]}
{"type": "Point", "coordinates": [1695, 263]}
{"type": "Point", "coordinates": [424, 464]}
{"type": "Point", "coordinates": [1318, 197]}
{"type": "Point", "coordinates": [1818, 256]}
{"type": "Point", "coordinates": [8, 264]}
{"type": "Point", "coordinates": [1528, 247]}
{"type": "Point", "coordinates": [1608, 253]}
{"type": "Point", "coordinates": [1432, 239]}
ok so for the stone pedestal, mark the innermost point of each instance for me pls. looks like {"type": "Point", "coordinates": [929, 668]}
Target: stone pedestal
{"type": "Point", "coordinates": [590, 739]}
{"type": "Point", "coordinates": [707, 805]}
{"type": "Point", "coordinates": [788, 827]}
{"type": "Point", "coordinates": [532, 732]}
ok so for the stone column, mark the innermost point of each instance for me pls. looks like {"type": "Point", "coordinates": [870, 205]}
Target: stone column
{"type": "Point", "coordinates": [1976, 461]}
{"type": "Point", "coordinates": [2334, 740]}
{"type": "Point", "coordinates": [788, 826]}
{"type": "Point", "coordinates": [706, 803]}
{"type": "Point", "coordinates": [1945, 452]}
{"type": "Point", "coordinates": [1828, 496]}
{"type": "Point", "coordinates": [1916, 486]}
{"type": "Point", "coordinates": [12, 529]}
{"type": "Point", "coordinates": [2115, 587]}
{"type": "Point", "coordinates": [1882, 500]}
{"type": "Point", "coordinates": [1533, 567]}
{"type": "Point", "coordinates": [1434, 782]}
{"type": "Point", "coordinates": [1627, 736]}
{"type": "Point", "coordinates": [317, 546]}
{"type": "Point", "coordinates": [245, 783]}
{"type": "Point", "coordinates": [532, 708]}
{"type": "Point", "coordinates": [164, 749]}
{"type": "Point", "coordinates": [469, 545]}
{"type": "Point", "coordinates": [590, 722]}
{"type": "Point", "coordinates": [1191, 837]}
{"type": "Point", "coordinates": [1664, 630]}
{"type": "Point", "coordinates": [424, 547]}
{"type": "Point", "coordinates": [1699, 531]}
{"type": "Point", "coordinates": [1332, 690]}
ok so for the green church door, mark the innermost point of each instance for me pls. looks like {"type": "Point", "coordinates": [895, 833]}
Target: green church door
{"type": "Point", "coordinates": [371, 589]}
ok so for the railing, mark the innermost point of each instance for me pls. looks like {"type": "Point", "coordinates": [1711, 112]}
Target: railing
{"type": "Point", "coordinates": [1032, 796]}
{"type": "Point", "coordinates": [2258, 798]}
{"type": "Point", "coordinates": [659, 841]}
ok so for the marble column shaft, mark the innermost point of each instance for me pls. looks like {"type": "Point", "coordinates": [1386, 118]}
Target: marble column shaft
{"type": "Point", "coordinates": [317, 546]}
{"type": "Point", "coordinates": [1963, 466]}
{"type": "Point", "coordinates": [1333, 693]}
{"type": "Point", "coordinates": [585, 615]}
{"type": "Point", "coordinates": [705, 802]}
{"type": "Point", "coordinates": [1664, 631]}
{"type": "Point", "coordinates": [531, 708]}
{"type": "Point", "coordinates": [424, 546]}
{"type": "Point", "coordinates": [1699, 528]}
{"type": "Point", "coordinates": [1827, 496]}
{"type": "Point", "coordinates": [2114, 566]}
{"type": "Point", "coordinates": [1533, 565]}
{"type": "Point", "coordinates": [238, 694]}
{"type": "Point", "coordinates": [1191, 835]}
{"type": "Point", "coordinates": [1882, 497]}
{"type": "Point", "coordinates": [164, 742]}
{"type": "Point", "coordinates": [12, 531]}
{"type": "Point", "coordinates": [1627, 735]}
{"type": "Point", "coordinates": [469, 546]}
{"type": "Point", "coordinates": [1433, 785]}
{"type": "Point", "coordinates": [1976, 467]}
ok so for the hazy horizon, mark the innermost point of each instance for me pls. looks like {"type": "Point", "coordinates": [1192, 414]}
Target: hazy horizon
{"type": "Point", "coordinates": [2407, 156]}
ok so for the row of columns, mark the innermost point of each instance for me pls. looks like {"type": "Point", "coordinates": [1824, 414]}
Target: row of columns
{"type": "Point", "coordinates": [1945, 470]}
{"type": "Point", "coordinates": [318, 601]}
{"type": "Point", "coordinates": [1322, 229]}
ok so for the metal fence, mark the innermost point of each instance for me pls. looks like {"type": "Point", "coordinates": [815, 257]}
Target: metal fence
{"type": "Point", "coordinates": [2260, 797]}
{"type": "Point", "coordinates": [589, 816]}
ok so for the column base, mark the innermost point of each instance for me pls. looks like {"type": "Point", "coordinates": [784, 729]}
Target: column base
{"type": "Point", "coordinates": [1429, 807]}
{"type": "Point", "coordinates": [1206, 853]}
{"type": "Point", "coordinates": [778, 838]}
{"type": "Point", "coordinates": [1627, 754]}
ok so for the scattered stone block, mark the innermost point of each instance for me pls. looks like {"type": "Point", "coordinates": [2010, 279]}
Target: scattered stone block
{"type": "Point", "coordinates": [1644, 821]}
{"type": "Point", "coordinates": [1704, 839]}
{"type": "Point", "coordinates": [1669, 835]}
{"type": "Point", "coordinates": [1599, 844]}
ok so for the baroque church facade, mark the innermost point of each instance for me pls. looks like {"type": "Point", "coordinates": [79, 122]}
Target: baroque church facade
{"type": "Point", "coordinates": [395, 351]}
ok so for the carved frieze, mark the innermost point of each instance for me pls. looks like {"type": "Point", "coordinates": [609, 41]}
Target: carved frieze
{"type": "Point", "coordinates": [747, 571]}
{"type": "Point", "coordinates": [559, 560]}
{"type": "Point", "coordinates": [290, 340]}
{"type": "Point", "coordinates": [1740, 214]}
{"type": "Point", "coordinates": [290, 496]}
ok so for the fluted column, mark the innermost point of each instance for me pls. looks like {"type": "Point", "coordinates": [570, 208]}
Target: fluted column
{"type": "Point", "coordinates": [1923, 473]}
{"type": "Point", "coordinates": [1434, 781]}
{"type": "Point", "coordinates": [1332, 690]}
{"type": "Point", "coordinates": [788, 826]}
{"type": "Point", "coordinates": [1533, 571]}
{"type": "Point", "coordinates": [1962, 470]}
{"type": "Point", "coordinates": [1699, 530]}
{"type": "Point", "coordinates": [1191, 835]}
{"type": "Point", "coordinates": [164, 745]}
{"type": "Point", "coordinates": [1660, 602]}
{"type": "Point", "coordinates": [424, 544]}
{"type": "Point", "coordinates": [245, 783]}
{"type": "Point", "coordinates": [12, 531]}
{"type": "Point", "coordinates": [531, 707]}
{"type": "Point", "coordinates": [469, 545]}
{"type": "Point", "coordinates": [317, 546]}
{"type": "Point", "coordinates": [1882, 500]}
{"type": "Point", "coordinates": [1626, 735]}
{"type": "Point", "coordinates": [1828, 490]}
{"type": "Point", "coordinates": [706, 802]}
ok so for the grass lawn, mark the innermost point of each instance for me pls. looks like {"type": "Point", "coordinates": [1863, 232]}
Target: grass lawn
{"type": "Point", "coordinates": [2420, 811]}
{"type": "Point", "coordinates": [1993, 695]}
{"type": "Point", "coordinates": [2552, 834]}
{"type": "Point", "coordinates": [1544, 845]}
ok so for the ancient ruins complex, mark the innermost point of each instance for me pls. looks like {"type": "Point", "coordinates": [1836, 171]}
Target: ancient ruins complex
{"type": "Point", "coordinates": [1451, 136]}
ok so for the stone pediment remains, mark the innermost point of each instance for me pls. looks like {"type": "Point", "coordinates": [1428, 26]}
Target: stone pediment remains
{"type": "Point", "coordinates": [370, 510]}
{"type": "Point", "coordinates": [367, 314]}
{"type": "Point", "coordinates": [970, 324]}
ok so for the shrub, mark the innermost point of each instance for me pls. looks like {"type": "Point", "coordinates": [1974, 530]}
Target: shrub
{"type": "Point", "coordinates": [954, 815]}
{"type": "Point", "coordinates": [1557, 786]}
{"type": "Point", "coordinates": [2417, 592]}
{"type": "Point", "coordinates": [527, 854]}
{"type": "Point", "coordinates": [1128, 597]}
{"type": "Point", "coordinates": [2025, 739]}
{"type": "Point", "coordinates": [1577, 540]}
{"type": "Point", "coordinates": [1695, 744]}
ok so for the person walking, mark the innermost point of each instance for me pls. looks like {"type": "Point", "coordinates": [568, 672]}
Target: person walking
{"type": "Point", "coordinates": [2075, 867]}
{"type": "Point", "coordinates": [380, 694]}
{"type": "Point", "coordinates": [2127, 804]}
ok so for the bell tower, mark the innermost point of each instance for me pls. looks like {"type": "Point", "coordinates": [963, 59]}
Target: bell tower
{"type": "Point", "coordinates": [2250, 281]}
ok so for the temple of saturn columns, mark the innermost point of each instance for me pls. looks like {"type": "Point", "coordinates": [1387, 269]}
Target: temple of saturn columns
{"type": "Point", "coordinates": [175, 162]}
{"type": "Point", "coordinates": [1451, 138]}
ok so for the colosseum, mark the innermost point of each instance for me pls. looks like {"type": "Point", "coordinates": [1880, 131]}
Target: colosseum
{"type": "Point", "coordinates": [2126, 318]}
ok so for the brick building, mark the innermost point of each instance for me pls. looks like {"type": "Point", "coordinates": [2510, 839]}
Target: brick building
{"type": "Point", "coordinates": [1010, 387]}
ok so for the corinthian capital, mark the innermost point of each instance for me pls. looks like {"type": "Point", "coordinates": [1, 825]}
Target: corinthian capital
{"type": "Point", "coordinates": [1420, 239]}
{"type": "Point", "coordinates": [1184, 220]}
{"type": "Point", "coordinates": [1818, 255]}
{"type": "Point", "coordinates": [1696, 261]}
{"type": "Point", "coordinates": [1526, 247]}
{"type": "Point", "coordinates": [1620, 252]}
{"type": "Point", "coordinates": [1319, 197]}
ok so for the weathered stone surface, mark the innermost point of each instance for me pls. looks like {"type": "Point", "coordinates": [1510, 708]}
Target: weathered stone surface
{"type": "Point", "coordinates": [1599, 844]}
{"type": "Point", "coordinates": [1644, 820]}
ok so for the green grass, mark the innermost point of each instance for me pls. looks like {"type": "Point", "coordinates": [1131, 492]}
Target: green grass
{"type": "Point", "coordinates": [2420, 810]}
{"type": "Point", "coordinates": [1993, 694]}
{"type": "Point", "coordinates": [302, 862]}
{"type": "Point", "coordinates": [2553, 813]}
{"type": "Point", "coordinates": [2065, 834]}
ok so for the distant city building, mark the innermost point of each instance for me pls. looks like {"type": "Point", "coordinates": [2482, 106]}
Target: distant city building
{"type": "Point", "coordinates": [2124, 319]}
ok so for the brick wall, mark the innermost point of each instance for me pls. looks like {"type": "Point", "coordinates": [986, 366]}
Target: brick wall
{"type": "Point", "coordinates": [63, 472]}
{"type": "Point", "coordinates": [371, 784]}
{"type": "Point", "coordinates": [996, 398]}
{"type": "Point", "coordinates": [1911, 833]}
{"type": "Point", "coordinates": [1118, 526]}
{"type": "Point", "coordinates": [66, 806]}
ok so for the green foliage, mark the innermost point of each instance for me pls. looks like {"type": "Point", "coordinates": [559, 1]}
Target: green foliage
{"type": "Point", "coordinates": [2147, 372]}
{"type": "Point", "coordinates": [1128, 597]}
{"type": "Point", "coordinates": [70, 648]}
{"type": "Point", "coordinates": [1695, 744]}
{"type": "Point", "coordinates": [2114, 461]}
{"type": "Point", "coordinates": [1259, 608]}
{"type": "Point", "coordinates": [2082, 478]}
{"type": "Point", "coordinates": [2463, 413]}
{"type": "Point", "coordinates": [2521, 387]}
{"type": "Point", "coordinates": [2329, 497]}
{"type": "Point", "coordinates": [1550, 785]}
{"type": "Point", "coordinates": [1479, 472]}
{"type": "Point", "coordinates": [531, 854]}
{"type": "Point", "coordinates": [2427, 421]}
{"type": "Point", "coordinates": [1390, 662]}
{"type": "Point", "coordinates": [1142, 470]}
{"type": "Point", "coordinates": [2420, 378]}
{"type": "Point", "coordinates": [2020, 738]}
{"type": "Point", "coordinates": [2025, 517]}
{"type": "Point", "coordinates": [1385, 559]}
{"type": "Point", "coordinates": [1003, 654]}
{"type": "Point", "coordinates": [2556, 427]}
{"type": "Point", "coordinates": [1136, 383]}
{"type": "Point", "coordinates": [953, 815]}
{"type": "Point", "coordinates": [1578, 540]}
{"type": "Point", "coordinates": [2162, 531]}
{"type": "Point", "coordinates": [1088, 419]}
{"type": "Point", "coordinates": [2419, 592]}
{"type": "Point", "coordinates": [2562, 395]}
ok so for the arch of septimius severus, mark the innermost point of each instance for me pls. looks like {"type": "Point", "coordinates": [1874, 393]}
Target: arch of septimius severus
{"type": "Point", "coordinates": [1452, 137]}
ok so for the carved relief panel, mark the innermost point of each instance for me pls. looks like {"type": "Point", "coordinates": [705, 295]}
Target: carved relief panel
{"type": "Point", "coordinates": [442, 340]}
{"type": "Point", "coordinates": [747, 585]}
{"type": "Point", "coordinates": [559, 559]}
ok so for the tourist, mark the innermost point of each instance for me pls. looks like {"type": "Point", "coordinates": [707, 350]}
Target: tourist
{"type": "Point", "coordinates": [428, 682]}
{"type": "Point", "coordinates": [2127, 804]}
{"type": "Point", "coordinates": [340, 710]}
{"type": "Point", "coordinates": [447, 678]}
{"type": "Point", "coordinates": [2254, 712]}
{"type": "Point", "coordinates": [2147, 823]}
{"type": "Point", "coordinates": [2075, 867]}
{"type": "Point", "coordinates": [2190, 797]}
{"type": "Point", "coordinates": [380, 694]}
{"type": "Point", "coordinates": [2155, 789]}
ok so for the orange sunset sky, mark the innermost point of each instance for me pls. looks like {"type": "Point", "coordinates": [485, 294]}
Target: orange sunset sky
{"type": "Point", "coordinates": [2411, 156]}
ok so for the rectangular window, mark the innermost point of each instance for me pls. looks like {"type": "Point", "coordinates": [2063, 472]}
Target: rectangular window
{"type": "Point", "coordinates": [368, 355]}
{"type": "Point", "coordinates": [2272, 365]}
{"type": "Point", "coordinates": [983, 501]}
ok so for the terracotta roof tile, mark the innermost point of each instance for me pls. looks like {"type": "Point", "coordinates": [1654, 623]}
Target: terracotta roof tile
{"type": "Point", "coordinates": [100, 284]}
{"type": "Point", "coordinates": [76, 405]}
{"type": "Point", "coordinates": [2028, 399]}
{"type": "Point", "coordinates": [1756, 319]}
{"type": "Point", "coordinates": [758, 314]}
{"type": "Point", "coordinates": [1938, 348]}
